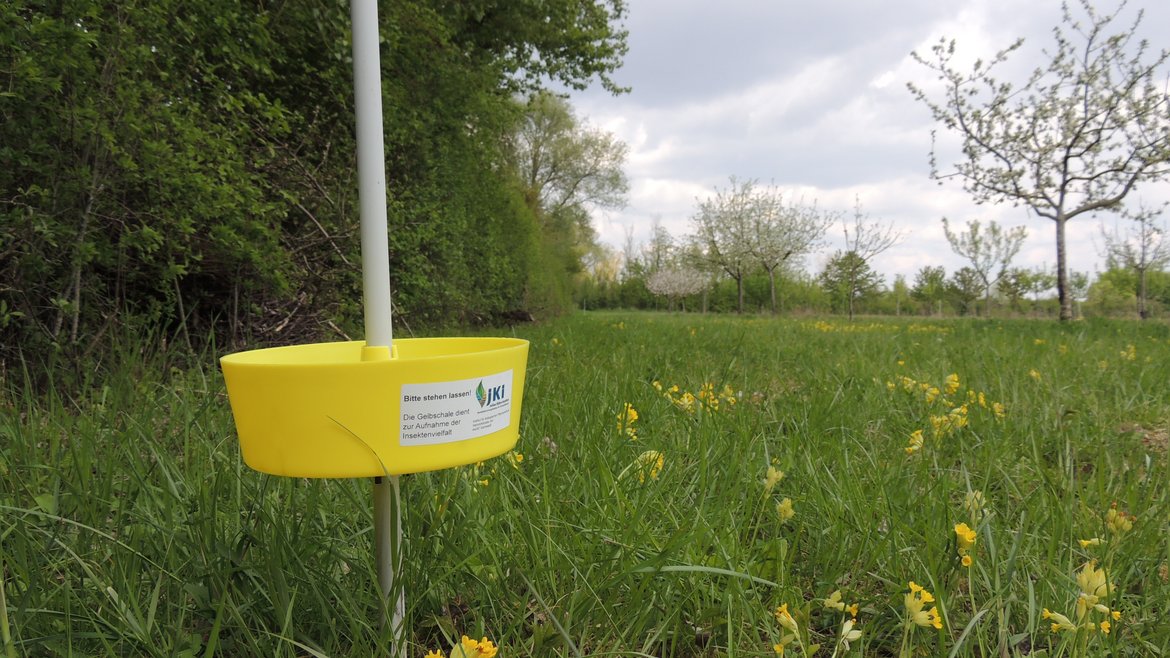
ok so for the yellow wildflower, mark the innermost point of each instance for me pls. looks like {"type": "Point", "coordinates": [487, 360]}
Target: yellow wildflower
{"type": "Point", "coordinates": [626, 419]}
{"type": "Point", "coordinates": [974, 502]}
{"type": "Point", "coordinates": [1034, 374]}
{"type": "Point", "coordinates": [966, 541]}
{"type": "Point", "coordinates": [1118, 522]}
{"type": "Point", "coordinates": [650, 464]}
{"type": "Point", "coordinates": [1038, 341]}
{"type": "Point", "coordinates": [786, 619]}
{"type": "Point", "coordinates": [470, 648]}
{"type": "Point", "coordinates": [515, 459]}
{"type": "Point", "coordinates": [1092, 581]}
{"type": "Point", "coordinates": [834, 602]}
{"type": "Point", "coordinates": [915, 601]}
{"type": "Point", "coordinates": [436, 653]}
{"type": "Point", "coordinates": [932, 394]}
{"type": "Point", "coordinates": [1085, 543]}
{"type": "Point", "coordinates": [1129, 353]}
{"type": "Point", "coordinates": [1106, 626]}
{"type": "Point", "coordinates": [772, 477]}
{"type": "Point", "coordinates": [998, 410]}
{"type": "Point", "coordinates": [784, 510]}
{"type": "Point", "coordinates": [952, 383]}
{"type": "Point", "coordinates": [849, 634]}
{"type": "Point", "coordinates": [916, 442]}
{"type": "Point", "coordinates": [1059, 621]}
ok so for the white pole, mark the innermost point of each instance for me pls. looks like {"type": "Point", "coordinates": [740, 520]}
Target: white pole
{"type": "Point", "coordinates": [371, 156]}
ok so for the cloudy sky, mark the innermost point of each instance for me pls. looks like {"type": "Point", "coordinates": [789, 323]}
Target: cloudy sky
{"type": "Point", "coordinates": [811, 96]}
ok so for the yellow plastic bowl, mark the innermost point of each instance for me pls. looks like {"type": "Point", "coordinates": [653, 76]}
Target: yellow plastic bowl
{"type": "Point", "coordinates": [345, 410]}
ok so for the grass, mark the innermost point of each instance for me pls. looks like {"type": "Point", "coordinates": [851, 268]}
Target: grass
{"type": "Point", "coordinates": [129, 525]}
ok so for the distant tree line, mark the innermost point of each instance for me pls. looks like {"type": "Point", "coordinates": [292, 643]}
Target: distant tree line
{"type": "Point", "coordinates": [188, 167]}
{"type": "Point", "coordinates": [747, 244]}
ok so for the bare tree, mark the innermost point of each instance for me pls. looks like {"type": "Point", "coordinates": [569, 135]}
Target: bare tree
{"type": "Point", "coordinates": [865, 239]}
{"type": "Point", "coordinates": [783, 230]}
{"type": "Point", "coordinates": [1080, 134]}
{"type": "Point", "coordinates": [990, 251]}
{"type": "Point", "coordinates": [1140, 249]}
{"type": "Point", "coordinates": [724, 230]}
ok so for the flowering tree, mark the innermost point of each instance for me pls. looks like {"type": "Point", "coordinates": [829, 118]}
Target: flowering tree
{"type": "Point", "coordinates": [676, 283]}
{"type": "Point", "coordinates": [990, 251]}
{"type": "Point", "coordinates": [724, 230]}
{"type": "Point", "coordinates": [784, 229]}
{"type": "Point", "coordinates": [1078, 136]}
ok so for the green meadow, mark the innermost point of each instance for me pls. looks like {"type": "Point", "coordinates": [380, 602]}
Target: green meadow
{"type": "Point", "coordinates": [684, 485]}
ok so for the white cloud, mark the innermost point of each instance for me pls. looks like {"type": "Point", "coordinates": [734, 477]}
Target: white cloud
{"type": "Point", "coordinates": [813, 98]}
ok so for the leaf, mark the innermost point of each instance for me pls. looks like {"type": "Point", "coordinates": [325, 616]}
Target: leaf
{"type": "Point", "coordinates": [47, 502]}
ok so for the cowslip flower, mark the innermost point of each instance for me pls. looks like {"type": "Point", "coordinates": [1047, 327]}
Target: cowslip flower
{"type": "Point", "coordinates": [771, 478]}
{"type": "Point", "coordinates": [649, 465]}
{"type": "Point", "coordinates": [834, 602]}
{"type": "Point", "coordinates": [1118, 522]}
{"type": "Point", "coordinates": [785, 510]}
{"type": "Point", "coordinates": [974, 503]}
{"type": "Point", "coordinates": [626, 419]}
{"type": "Point", "coordinates": [1059, 621]}
{"type": "Point", "coordinates": [849, 634]}
{"type": "Point", "coordinates": [965, 537]}
{"type": "Point", "coordinates": [470, 648]}
{"type": "Point", "coordinates": [951, 384]}
{"type": "Point", "coordinates": [787, 621]}
{"type": "Point", "coordinates": [916, 612]}
{"type": "Point", "coordinates": [1094, 585]}
{"type": "Point", "coordinates": [916, 442]}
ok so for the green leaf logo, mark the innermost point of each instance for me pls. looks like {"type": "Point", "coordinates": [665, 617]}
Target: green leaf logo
{"type": "Point", "coordinates": [481, 394]}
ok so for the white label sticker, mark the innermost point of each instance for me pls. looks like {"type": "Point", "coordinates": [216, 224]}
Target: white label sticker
{"type": "Point", "coordinates": [445, 412]}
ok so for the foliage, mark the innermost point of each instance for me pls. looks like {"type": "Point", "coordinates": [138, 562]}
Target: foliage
{"type": "Point", "coordinates": [190, 165]}
{"type": "Point", "coordinates": [567, 169]}
{"type": "Point", "coordinates": [989, 250]}
{"type": "Point", "coordinates": [1143, 249]}
{"type": "Point", "coordinates": [965, 286]}
{"type": "Point", "coordinates": [849, 279]}
{"type": "Point", "coordinates": [930, 286]}
{"type": "Point", "coordinates": [1080, 134]}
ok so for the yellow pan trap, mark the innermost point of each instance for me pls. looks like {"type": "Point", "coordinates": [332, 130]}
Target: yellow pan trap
{"type": "Point", "coordinates": [345, 410]}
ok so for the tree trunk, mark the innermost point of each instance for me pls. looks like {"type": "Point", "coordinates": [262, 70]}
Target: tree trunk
{"type": "Point", "coordinates": [739, 294]}
{"type": "Point", "coordinates": [772, 288]}
{"type": "Point", "coordinates": [1062, 271]}
{"type": "Point", "coordinates": [1143, 312]}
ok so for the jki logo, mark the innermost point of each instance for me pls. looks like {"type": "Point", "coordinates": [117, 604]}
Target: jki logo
{"type": "Point", "coordinates": [489, 396]}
